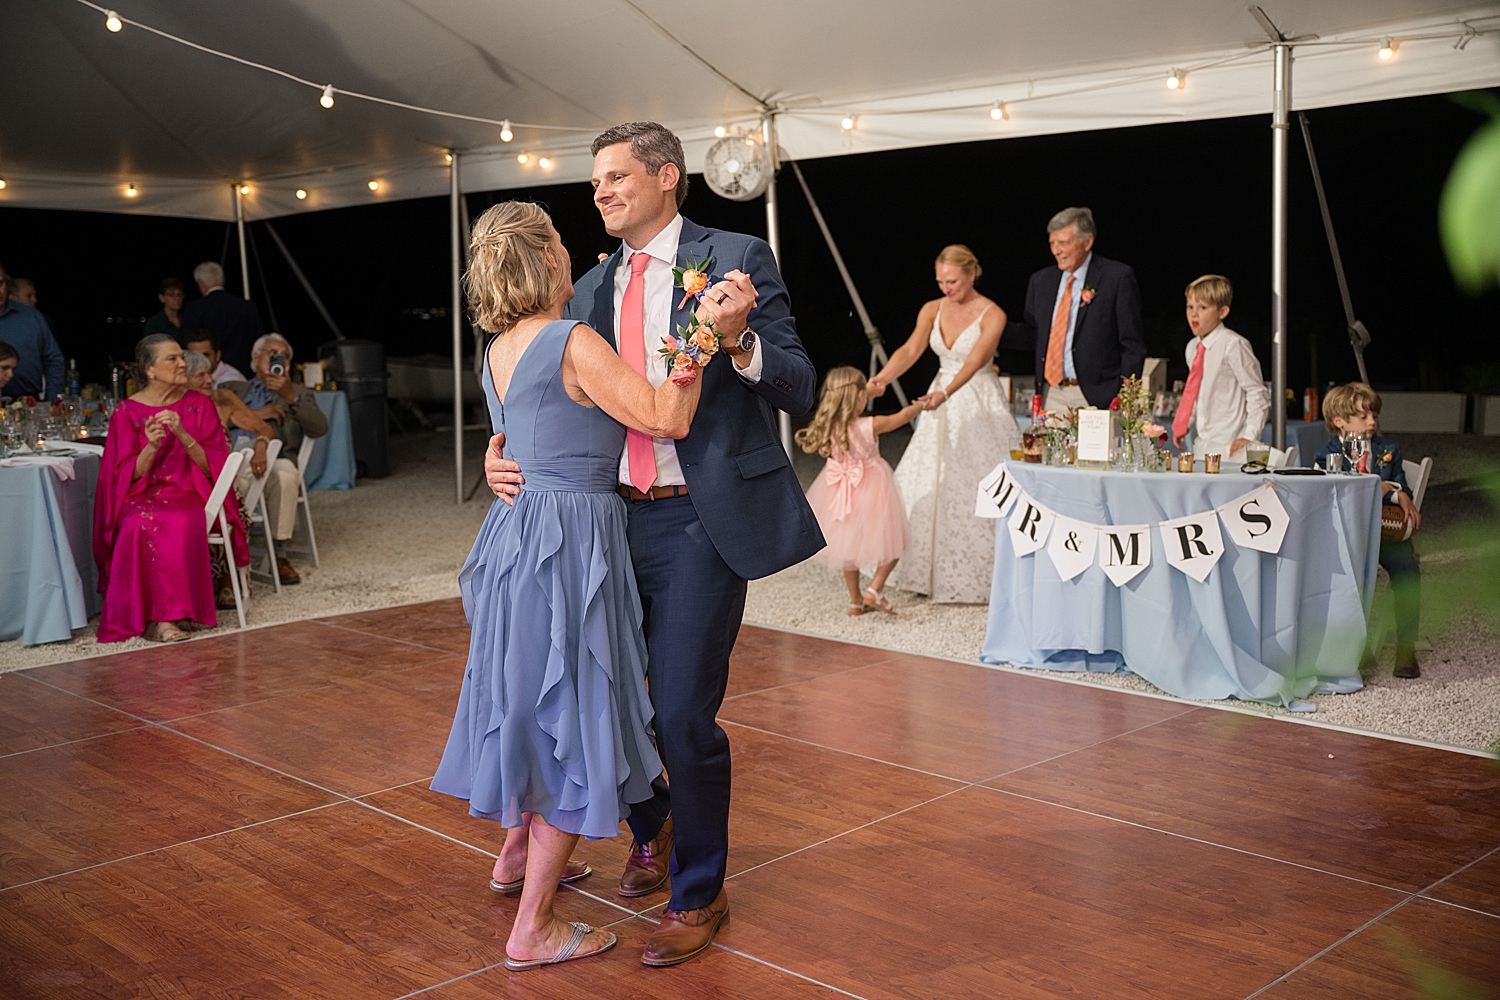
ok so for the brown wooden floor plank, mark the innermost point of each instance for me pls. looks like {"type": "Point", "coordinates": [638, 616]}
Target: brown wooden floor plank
{"type": "Point", "coordinates": [353, 737]}
{"type": "Point", "coordinates": [765, 658]}
{"type": "Point", "coordinates": [34, 715]}
{"type": "Point", "coordinates": [983, 894]}
{"type": "Point", "coordinates": [1389, 812]}
{"type": "Point", "coordinates": [438, 624]}
{"type": "Point", "coordinates": [966, 722]}
{"type": "Point", "coordinates": [342, 902]}
{"type": "Point", "coordinates": [1477, 887]}
{"type": "Point", "coordinates": [98, 800]}
{"type": "Point", "coordinates": [619, 975]}
{"type": "Point", "coordinates": [168, 682]}
{"type": "Point", "coordinates": [1423, 951]}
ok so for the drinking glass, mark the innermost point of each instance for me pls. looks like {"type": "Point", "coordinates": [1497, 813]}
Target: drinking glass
{"type": "Point", "coordinates": [1356, 448]}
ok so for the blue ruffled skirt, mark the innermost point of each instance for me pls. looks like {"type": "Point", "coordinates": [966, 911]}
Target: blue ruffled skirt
{"type": "Point", "coordinates": [554, 716]}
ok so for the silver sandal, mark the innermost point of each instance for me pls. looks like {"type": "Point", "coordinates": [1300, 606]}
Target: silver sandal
{"type": "Point", "coordinates": [567, 953]}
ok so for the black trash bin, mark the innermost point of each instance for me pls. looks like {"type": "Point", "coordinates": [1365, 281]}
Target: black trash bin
{"type": "Point", "coordinates": [359, 368]}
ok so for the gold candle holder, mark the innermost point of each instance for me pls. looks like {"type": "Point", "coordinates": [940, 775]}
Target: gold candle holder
{"type": "Point", "coordinates": [1185, 462]}
{"type": "Point", "coordinates": [1211, 464]}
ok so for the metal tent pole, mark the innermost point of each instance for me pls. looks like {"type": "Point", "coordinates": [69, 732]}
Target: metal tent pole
{"type": "Point", "coordinates": [456, 260]}
{"type": "Point", "coordinates": [773, 237]}
{"type": "Point", "coordinates": [306, 285]}
{"type": "Point", "coordinates": [239, 221]}
{"type": "Point", "coordinates": [1280, 129]}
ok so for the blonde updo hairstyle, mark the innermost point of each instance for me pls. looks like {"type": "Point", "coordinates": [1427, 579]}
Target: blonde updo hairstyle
{"type": "Point", "coordinates": [509, 274]}
{"type": "Point", "coordinates": [960, 256]}
{"type": "Point", "coordinates": [840, 403]}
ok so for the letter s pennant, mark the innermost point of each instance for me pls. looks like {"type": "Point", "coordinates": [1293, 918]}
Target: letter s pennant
{"type": "Point", "coordinates": [1193, 544]}
{"type": "Point", "coordinates": [1256, 520]}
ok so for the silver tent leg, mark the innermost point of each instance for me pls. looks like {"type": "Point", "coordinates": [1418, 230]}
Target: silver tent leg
{"type": "Point", "coordinates": [239, 221]}
{"type": "Point", "coordinates": [1280, 129]}
{"type": "Point", "coordinates": [773, 237]}
{"type": "Point", "coordinates": [456, 260]}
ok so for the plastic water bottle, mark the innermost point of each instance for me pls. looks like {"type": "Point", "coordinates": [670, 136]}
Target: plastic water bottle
{"type": "Point", "coordinates": [75, 384]}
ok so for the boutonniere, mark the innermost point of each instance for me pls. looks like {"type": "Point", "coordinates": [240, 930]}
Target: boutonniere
{"type": "Point", "coordinates": [1385, 458]}
{"type": "Point", "coordinates": [1088, 294]}
{"type": "Point", "coordinates": [692, 278]}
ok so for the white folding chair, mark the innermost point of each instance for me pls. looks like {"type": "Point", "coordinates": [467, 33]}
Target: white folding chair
{"type": "Point", "coordinates": [1283, 459]}
{"type": "Point", "coordinates": [254, 507]}
{"type": "Point", "coordinates": [214, 512]}
{"type": "Point", "coordinates": [304, 454]}
{"type": "Point", "coordinates": [1417, 474]}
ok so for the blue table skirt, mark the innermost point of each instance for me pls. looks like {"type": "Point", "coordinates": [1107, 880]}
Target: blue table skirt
{"type": "Point", "coordinates": [331, 464]}
{"type": "Point", "coordinates": [1262, 627]}
{"type": "Point", "coordinates": [48, 582]}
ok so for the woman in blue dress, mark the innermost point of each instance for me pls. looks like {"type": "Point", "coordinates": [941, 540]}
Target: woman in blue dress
{"type": "Point", "coordinates": [552, 733]}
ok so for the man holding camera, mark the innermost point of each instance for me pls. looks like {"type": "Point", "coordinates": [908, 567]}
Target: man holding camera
{"type": "Point", "coordinates": [293, 413]}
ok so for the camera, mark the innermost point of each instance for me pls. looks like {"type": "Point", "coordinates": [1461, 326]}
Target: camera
{"type": "Point", "coordinates": [278, 363]}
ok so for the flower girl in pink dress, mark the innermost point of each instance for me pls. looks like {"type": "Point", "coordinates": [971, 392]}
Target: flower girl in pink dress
{"type": "Point", "coordinates": [855, 496]}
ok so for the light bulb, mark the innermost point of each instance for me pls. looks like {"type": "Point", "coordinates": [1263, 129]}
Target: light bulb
{"type": "Point", "coordinates": [1388, 48]}
{"type": "Point", "coordinates": [999, 112]}
{"type": "Point", "coordinates": [130, 191]}
{"type": "Point", "coordinates": [720, 131]}
{"type": "Point", "coordinates": [1175, 80]}
{"type": "Point", "coordinates": [849, 122]}
{"type": "Point", "coordinates": [301, 195]}
{"type": "Point", "coordinates": [112, 21]}
{"type": "Point", "coordinates": [523, 157]}
{"type": "Point", "coordinates": [327, 99]}
{"type": "Point", "coordinates": [447, 157]}
{"type": "Point", "coordinates": [506, 135]}
{"type": "Point", "coordinates": [244, 189]}
{"type": "Point", "coordinates": [2, 183]}
{"type": "Point", "coordinates": [545, 163]}
{"type": "Point", "coordinates": [373, 185]}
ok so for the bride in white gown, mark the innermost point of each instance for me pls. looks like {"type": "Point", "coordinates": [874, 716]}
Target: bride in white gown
{"type": "Point", "coordinates": [969, 430]}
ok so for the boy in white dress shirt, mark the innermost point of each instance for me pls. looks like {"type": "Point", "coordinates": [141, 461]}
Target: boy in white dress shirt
{"type": "Point", "coordinates": [1225, 396]}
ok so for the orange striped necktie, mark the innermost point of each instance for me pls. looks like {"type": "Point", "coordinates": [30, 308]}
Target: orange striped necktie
{"type": "Point", "coordinates": [1058, 338]}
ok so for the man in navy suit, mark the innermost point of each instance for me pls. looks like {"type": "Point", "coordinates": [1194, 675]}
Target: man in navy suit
{"type": "Point", "coordinates": [1083, 317]}
{"type": "Point", "coordinates": [235, 321]}
{"type": "Point", "coordinates": [706, 513]}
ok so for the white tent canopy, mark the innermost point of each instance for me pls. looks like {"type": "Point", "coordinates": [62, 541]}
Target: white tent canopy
{"type": "Point", "coordinates": [90, 112]}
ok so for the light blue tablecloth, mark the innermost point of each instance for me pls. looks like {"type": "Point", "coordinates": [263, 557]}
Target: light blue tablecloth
{"type": "Point", "coordinates": [1308, 437]}
{"type": "Point", "coordinates": [48, 582]}
{"type": "Point", "coordinates": [1262, 627]}
{"type": "Point", "coordinates": [331, 464]}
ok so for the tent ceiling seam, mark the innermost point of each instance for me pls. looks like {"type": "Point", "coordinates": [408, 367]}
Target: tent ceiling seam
{"type": "Point", "coordinates": [764, 105]}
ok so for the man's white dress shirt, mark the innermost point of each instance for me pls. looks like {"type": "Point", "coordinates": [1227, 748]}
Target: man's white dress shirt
{"type": "Point", "coordinates": [1080, 277]}
{"type": "Point", "coordinates": [1232, 398]}
{"type": "Point", "coordinates": [661, 296]}
{"type": "Point", "coordinates": [227, 373]}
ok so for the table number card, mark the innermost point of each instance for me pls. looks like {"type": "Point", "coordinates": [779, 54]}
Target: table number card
{"type": "Point", "coordinates": [312, 374]}
{"type": "Point", "coordinates": [1096, 432]}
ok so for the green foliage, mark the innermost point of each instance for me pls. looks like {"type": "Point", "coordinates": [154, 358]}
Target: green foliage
{"type": "Point", "coordinates": [1469, 212]}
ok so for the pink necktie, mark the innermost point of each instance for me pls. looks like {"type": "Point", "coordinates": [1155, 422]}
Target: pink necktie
{"type": "Point", "coordinates": [642, 456]}
{"type": "Point", "coordinates": [1189, 396]}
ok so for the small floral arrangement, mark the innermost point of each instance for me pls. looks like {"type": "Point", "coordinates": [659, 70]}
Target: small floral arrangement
{"type": "Point", "coordinates": [1088, 294]}
{"type": "Point", "coordinates": [695, 344]}
{"type": "Point", "coordinates": [1133, 404]}
{"type": "Point", "coordinates": [692, 278]}
{"type": "Point", "coordinates": [1155, 431]}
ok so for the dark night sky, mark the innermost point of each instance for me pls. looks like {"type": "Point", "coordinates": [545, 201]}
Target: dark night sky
{"type": "Point", "coordinates": [1174, 201]}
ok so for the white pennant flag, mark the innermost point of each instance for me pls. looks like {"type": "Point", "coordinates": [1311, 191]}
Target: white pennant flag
{"type": "Point", "coordinates": [1029, 524]}
{"type": "Point", "coordinates": [1124, 551]}
{"type": "Point", "coordinates": [1256, 520]}
{"type": "Point", "coordinates": [1193, 544]}
{"type": "Point", "coordinates": [1071, 546]}
{"type": "Point", "coordinates": [997, 492]}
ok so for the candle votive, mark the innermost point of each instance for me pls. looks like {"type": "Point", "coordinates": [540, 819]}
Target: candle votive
{"type": "Point", "coordinates": [1185, 462]}
{"type": "Point", "coordinates": [1211, 464]}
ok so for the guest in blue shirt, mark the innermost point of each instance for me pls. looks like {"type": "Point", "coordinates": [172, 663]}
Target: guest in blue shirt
{"type": "Point", "coordinates": [41, 369]}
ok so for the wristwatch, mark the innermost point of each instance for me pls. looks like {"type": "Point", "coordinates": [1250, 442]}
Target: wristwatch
{"type": "Point", "coordinates": [745, 344]}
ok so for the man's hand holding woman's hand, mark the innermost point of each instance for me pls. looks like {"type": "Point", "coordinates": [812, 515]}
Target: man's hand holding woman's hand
{"type": "Point", "coordinates": [503, 475]}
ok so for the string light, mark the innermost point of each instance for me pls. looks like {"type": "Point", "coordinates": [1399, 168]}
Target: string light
{"type": "Point", "coordinates": [523, 157]}
{"type": "Point", "coordinates": [131, 192]}
{"type": "Point", "coordinates": [1000, 112]}
{"type": "Point", "coordinates": [545, 163]}
{"type": "Point", "coordinates": [447, 157]}
{"type": "Point", "coordinates": [112, 21]}
{"type": "Point", "coordinates": [327, 99]}
{"type": "Point", "coordinates": [720, 131]}
{"type": "Point", "coordinates": [244, 189]}
{"type": "Point", "coordinates": [849, 122]}
{"type": "Point", "coordinates": [2, 183]}
{"type": "Point", "coordinates": [1388, 48]}
{"type": "Point", "coordinates": [301, 195]}
{"type": "Point", "coordinates": [373, 185]}
{"type": "Point", "coordinates": [506, 135]}
{"type": "Point", "coordinates": [1176, 80]}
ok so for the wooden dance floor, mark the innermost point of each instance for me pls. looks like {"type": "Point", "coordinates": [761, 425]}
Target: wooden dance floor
{"type": "Point", "coordinates": [248, 816]}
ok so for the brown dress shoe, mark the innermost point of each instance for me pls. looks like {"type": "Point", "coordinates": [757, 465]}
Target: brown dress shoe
{"type": "Point", "coordinates": [288, 575]}
{"type": "Point", "coordinates": [648, 866]}
{"type": "Point", "coordinates": [683, 934]}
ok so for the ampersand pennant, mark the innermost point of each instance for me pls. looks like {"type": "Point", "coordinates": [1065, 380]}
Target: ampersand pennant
{"type": "Point", "coordinates": [1071, 546]}
{"type": "Point", "coordinates": [1256, 520]}
{"type": "Point", "coordinates": [997, 493]}
{"type": "Point", "coordinates": [1124, 551]}
{"type": "Point", "coordinates": [1193, 544]}
{"type": "Point", "coordinates": [1029, 524]}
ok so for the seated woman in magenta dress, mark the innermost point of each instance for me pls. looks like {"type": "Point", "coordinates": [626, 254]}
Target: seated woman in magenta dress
{"type": "Point", "coordinates": [165, 450]}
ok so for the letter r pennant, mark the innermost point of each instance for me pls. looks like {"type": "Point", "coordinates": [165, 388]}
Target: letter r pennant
{"type": "Point", "coordinates": [1193, 544]}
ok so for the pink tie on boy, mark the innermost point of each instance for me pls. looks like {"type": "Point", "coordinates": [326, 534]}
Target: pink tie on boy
{"type": "Point", "coordinates": [1189, 397]}
{"type": "Point", "coordinates": [638, 447]}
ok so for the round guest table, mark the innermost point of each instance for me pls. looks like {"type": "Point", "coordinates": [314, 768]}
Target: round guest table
{"type": "Point", "coordinates": [331, 464]}
{"type": "Point", "coordinates": [48, 582]}
{"type": "Point", "coordinates": [1262, 627]}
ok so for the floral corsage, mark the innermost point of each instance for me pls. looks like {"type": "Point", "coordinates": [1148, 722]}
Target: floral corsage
{"type": "Point", "coordinates": [695, 344]}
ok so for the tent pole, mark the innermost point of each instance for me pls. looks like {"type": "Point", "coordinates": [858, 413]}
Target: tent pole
{"type": "Point", "coordinates": [1280, 128]}
{"type": "Point", "coordinates": [306, 285]}
{"type": "Point", "coordinates": [239, 221]}
{"type": "Point", "coordinates": [773, 237]}
{"type": "Point", "coordinates": [456, 260]}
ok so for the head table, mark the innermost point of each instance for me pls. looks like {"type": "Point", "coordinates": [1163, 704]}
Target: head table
{"type": "Point", "coordinates": [1261, 626]}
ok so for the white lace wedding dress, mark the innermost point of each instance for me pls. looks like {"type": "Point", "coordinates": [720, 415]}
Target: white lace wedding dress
{"type": "Point", "coordinates": [952, 554]}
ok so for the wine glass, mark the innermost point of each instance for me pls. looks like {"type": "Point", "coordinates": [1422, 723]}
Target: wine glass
{"type": "Point", "coordinates": [1356, 447]}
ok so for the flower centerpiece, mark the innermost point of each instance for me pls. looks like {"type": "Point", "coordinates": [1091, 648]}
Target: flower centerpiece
{"type": "Point", "coordinates": [1061, 430]}
{"type": "Point", "coordinates": [1134, 407]}
{"type": "Point", "coordinates": [695, 344]}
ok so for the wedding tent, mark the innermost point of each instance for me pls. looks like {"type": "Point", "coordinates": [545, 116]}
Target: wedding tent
{"type": "Point", "coordinates": [281, 106]}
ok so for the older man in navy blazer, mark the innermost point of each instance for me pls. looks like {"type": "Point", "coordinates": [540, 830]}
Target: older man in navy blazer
{"type": "Point", "coordinates": [706, 513]}
{"type": "Point", "coordinates": [1083, 317]}
{"type": "Point", "coordinates": [235, 321]}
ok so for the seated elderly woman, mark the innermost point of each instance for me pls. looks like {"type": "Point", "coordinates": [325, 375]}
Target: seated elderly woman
{"type": "Point", "coordinates": [165, 449]}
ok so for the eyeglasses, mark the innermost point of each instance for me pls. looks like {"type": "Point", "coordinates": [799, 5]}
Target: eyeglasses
{"type": "Point", "coordinates": [1255, 468]}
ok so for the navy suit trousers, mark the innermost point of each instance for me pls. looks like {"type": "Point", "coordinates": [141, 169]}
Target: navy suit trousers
{"type": "Point", "coordinates": [692, 604]}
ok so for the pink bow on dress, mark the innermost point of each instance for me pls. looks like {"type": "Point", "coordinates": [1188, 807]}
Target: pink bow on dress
{"type": "Point", "coordinates": [843, 477]}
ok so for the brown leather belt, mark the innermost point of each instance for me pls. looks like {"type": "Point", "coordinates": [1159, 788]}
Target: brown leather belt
{"type": "Point", "coordinates": [656, 493]}
{"type": "Point", "coordinates": [1067, 383]}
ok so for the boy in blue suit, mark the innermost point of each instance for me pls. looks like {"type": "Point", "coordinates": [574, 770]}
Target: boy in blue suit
{"type": "Point", "coordinates": [1352, 411]}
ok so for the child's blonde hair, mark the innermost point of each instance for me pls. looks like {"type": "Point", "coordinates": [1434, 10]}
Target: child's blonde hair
{"type": "Point", "coordinates": [1214, 289]}
{"type": "Point", "coordinates": [840, 402]}
{"type": "Point", "coordinates": [1345, 401]}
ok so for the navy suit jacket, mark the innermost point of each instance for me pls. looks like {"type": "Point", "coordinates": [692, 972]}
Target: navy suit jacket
{"type": "Point", "coordinates": [740, 480]}
{"type": "Point", "coordinates": [1108, 343]}
{"type": "Point", "coordinates": [233, 320]}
